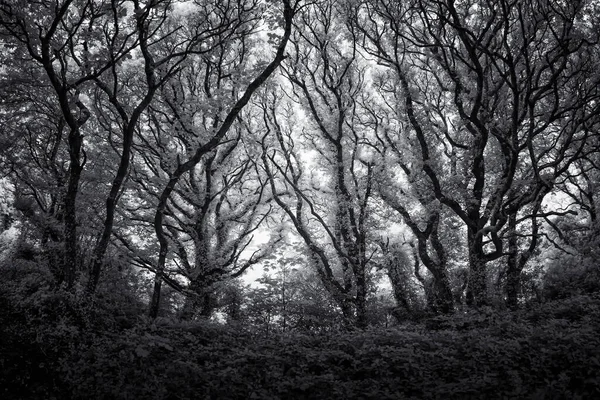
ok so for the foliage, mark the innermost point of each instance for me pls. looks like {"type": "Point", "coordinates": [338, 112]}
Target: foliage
{"type": "Point", "coordinates": [575, 270]}
{"type": "Point", "coordinates": [580, 276]}
{"type": "Point", "coordinates": [55, 346]}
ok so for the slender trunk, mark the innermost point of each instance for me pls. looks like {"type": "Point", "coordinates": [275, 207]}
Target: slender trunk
{"type": "Point", "coordinates": [47, 58]}
{"type": "Point", "coordinates": [155, 300]}
{"type": "Point", "coordinates": [513, 286]}
{"type": "Point", "coordinates": [50, 241]}
{"type": "Point", "coordinates": [513, 273]}
{"type": "Point", "coordinates": [111, 205]}
{"type": "Point", "coordinates": [284, 310]}
{"type": "Point", "coordinates": [156, 293]}
{"type": "Point", "coordinates": [517, 261]}
{"type": "Point", "coordinates": [75, 142]}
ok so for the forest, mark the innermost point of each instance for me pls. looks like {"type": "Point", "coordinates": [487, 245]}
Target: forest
{"type": "Point", "coordinates": [299, 199]}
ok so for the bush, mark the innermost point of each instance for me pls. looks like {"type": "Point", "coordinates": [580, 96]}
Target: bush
{"type": "Point", "coordinates": [538, 353]}
{"type": "Point", "coordinates": [571, 277]}
{"type": "Point", "coordinates": [57, 346]}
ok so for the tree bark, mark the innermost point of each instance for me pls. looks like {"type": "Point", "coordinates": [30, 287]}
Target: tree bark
{"type": "Point", "coordinates": [75, 141]}
{"type": "Point", "coordinates": [477, 286]}
{"type": "Point", "coordinates": [513, 274]}
{"type": "Point", "coordinates": [156, 292]}
{"type": "Point", "coordinates": [399, 291]}
{"type": "Point", "coordinates": [361, 299]}
{"type": "Point", "coordinates": [199, 303]}
{"type": "Point", "coordinates": [156, 295]}
{"type": "Point", "coordinates": [443, 292]}
{"type": "Point", "coordinates": [517, 260]}
{"type": "Point", "coordinates": [349, 318]}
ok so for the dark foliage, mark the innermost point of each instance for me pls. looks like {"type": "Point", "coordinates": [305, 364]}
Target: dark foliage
{"type": "Point", "coordinates": [55, 347]}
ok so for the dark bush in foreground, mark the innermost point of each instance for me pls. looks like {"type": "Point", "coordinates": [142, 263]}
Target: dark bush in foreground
{"type": "Point", "coordinates": [551, 352]}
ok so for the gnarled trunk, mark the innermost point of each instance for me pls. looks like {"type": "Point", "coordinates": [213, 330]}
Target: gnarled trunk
{"type": "Point", "coordinates": [200, 302]}
{"type": "Point", "coordinates": [477, 286]}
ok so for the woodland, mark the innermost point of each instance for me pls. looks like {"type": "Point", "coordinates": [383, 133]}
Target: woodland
{"type": "Point", "coordinates": [299, 199]}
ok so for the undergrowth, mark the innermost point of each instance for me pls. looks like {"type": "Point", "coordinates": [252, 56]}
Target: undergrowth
{"type": "Point", "coordinates": [54, 347]}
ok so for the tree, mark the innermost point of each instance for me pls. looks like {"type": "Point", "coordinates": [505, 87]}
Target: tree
{"type": "Point", "coordinates": [502, 93]}
{"type": "Point", "coordinates": [325, 78]}
{"type": "Point", "coordinates": [400, 269]}
{"type": "Point", "coordinates": [227, 113]}
{"type": "Point", "coordinates": [34, 159]}
{"type": "Point", "coordinates": [290, 296]}
{"type": "Point", "coordinates": [164, 42]}
{"type": "Point", "coordinates": [60, 41]}
{"type": "Point", "coordinates": [213, 215]}
{"type": "Point", "coordinates": [421, 213]}
{"type": "Point", "coordinates": [572, 247]}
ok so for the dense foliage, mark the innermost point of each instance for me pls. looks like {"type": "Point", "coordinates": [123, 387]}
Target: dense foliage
{"type": "Point", "coordinates": [54, 347]}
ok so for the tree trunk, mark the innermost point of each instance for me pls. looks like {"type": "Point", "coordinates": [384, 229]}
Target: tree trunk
{"type": "Point", "coordinates": [349, 319]}
{"type": "Point", "coordinates": [443, 292]}
{"type": "Point", "coordinates": [399, 291]}
{"type": "Point", "coordinates": [111, 205]}
{"type": "Point", "coordinates": [201, 304]}
{"type": "Point", "coordinates": [437, 290]}
{"type": "Point", "coordinates": [477, 286]}
{"type": "Point", "coordinates": [53, 247]}
{"type": "Point", "coordinates": [513, 286]}
{"type": "Point", "coordinates": [70, 233]}
{"type": "Point", "coordinates": [156, 293]}
{"type": "Point", "coordinates": [361, 299]}
{"type": "Point", "coordinates": [208, 306]}
{"type": "Point", "coordinates": [155, 300]}
{"type": "Point", "coordinates": [513, 273]}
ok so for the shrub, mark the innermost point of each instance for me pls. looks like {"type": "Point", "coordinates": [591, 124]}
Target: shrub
{"type": "Point", "coordinates": [571, 276]}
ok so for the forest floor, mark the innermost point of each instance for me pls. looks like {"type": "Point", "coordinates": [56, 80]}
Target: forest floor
{"type": "Point", "coordinates": [550, 351]}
